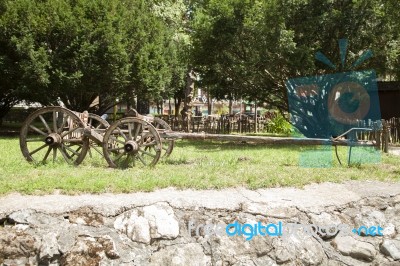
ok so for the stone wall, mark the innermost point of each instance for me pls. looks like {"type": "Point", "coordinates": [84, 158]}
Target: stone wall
{"type": "Point", "coordinates": [157, 234]}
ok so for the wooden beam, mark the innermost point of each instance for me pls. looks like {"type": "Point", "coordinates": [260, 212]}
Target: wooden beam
{"type": "Point", "coordinates": [258, 139]}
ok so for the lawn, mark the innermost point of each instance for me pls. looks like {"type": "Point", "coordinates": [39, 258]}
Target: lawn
{"type": "Point", "coordinates": [196, 165]}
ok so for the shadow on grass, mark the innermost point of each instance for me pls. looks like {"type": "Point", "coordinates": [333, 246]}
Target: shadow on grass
{"type": "Point", "coordinates": [176, 161]}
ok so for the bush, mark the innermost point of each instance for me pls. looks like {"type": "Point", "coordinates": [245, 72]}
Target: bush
{"type": "Point", "coordinates": [279, 125]}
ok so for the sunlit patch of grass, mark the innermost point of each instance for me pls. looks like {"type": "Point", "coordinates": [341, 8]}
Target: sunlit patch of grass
{"type": "Point", "coordinates": [195, 165]}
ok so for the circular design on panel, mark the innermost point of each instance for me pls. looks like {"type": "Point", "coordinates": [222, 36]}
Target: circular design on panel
{"type": "Point", "coordinates": [348, 102]}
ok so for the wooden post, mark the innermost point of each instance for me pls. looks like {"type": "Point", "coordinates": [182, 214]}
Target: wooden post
{"type": "Point", "coordinates": [386, 136]}
{"type": "Point", "coordinates": [378, 133]}
{"type": "Point", "coordinates": [256, 119]}
{"type": "Point", "coordinates": [240, 116]}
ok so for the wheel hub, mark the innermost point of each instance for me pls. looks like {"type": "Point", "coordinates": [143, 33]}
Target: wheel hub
{"type": "Point", "coordinates": [131, 147]}
{"type": "Point", "coordinates": [53, 139]}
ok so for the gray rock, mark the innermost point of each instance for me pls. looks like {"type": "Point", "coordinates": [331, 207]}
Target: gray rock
{"type": "Point", "coordinates": [20, 227]}
{"type": "Point", "coordinates": [66, 240]}
{"type": "Point", "coordinates": [324, 219]}
{"type": "Point", "coordinates": [375, 202]}
{"type": "Point", "coordinates": [396, 199]}
{"type": "Point", "coordinates": [369, 217]}
{"type": "Point", "coordinates": [16, 245]}
{"type": "Point", "coordinates": [391, 248]}
{"type": "Point", "coordinates": [136, 227]}
{"type": "Point", "coordinates": [22, 216]}
{"type": "Point", "coordinates": [31, 261]}
{"type": "Point", "coordinates": [91, 251]}
{"type": "Point", "coordinates": [162, 221]}
{"type": "Point", "coordinates": [391, 263]}
{"type": "Point", "coordinates": [33, 218]}
{"type": "Point", "coordinates": [269, 211]}
{"type": "Point", "coordinates": [156, 233]}
{"type": "Point", "coordinates": [359, 250]}
{"type": "Point", "coordinates": [153, 222]}
{"type": "Point", "coordinates": [284, 253]}
{"type": "Point", "coordinates": [181, 255]}
{"type": "Point", "coordinates": [298, 247]}
{"type": "Point", "coordinates": [49, 248]}
{"type": "Point", "coordinates": [264, 261]}
{"type": "Point", "coordinates": [86, 216]}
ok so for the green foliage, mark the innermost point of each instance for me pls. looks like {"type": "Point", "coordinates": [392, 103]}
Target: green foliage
{"type": "Point", "coordinates": [279, 125]}
{"type": "Point", "coordinates": [256, 45]}
{"type": "Point", "coordinates": [78, 50]}
{"type": "Point", "coordinates": [221, 110]}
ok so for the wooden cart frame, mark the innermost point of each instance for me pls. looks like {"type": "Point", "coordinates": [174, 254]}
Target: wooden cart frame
{"type": "Point", "coordinates": [59, 134]}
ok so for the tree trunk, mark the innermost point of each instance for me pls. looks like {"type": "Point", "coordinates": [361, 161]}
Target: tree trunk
{"type": "Point", "coordinates": [143, 106]}
{"type": "Point", "coordinates": [209, 102]}
{"type": "Point", "coordinates": [189, 90]}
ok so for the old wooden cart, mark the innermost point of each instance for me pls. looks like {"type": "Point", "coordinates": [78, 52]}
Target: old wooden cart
{"type": "Point", "coordinates": [57, 133]}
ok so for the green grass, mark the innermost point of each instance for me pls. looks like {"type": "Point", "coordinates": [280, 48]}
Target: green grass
{"type": "Point", "coordinates": [196, 165]}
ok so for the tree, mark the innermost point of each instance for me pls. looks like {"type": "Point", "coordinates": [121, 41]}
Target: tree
{"type": "Point", "coordinates": [23, 63]}
{"type": "Point", "coordinates": [176, 15]}
{"type": "Point", "coordinates": [78, 51]}
{"type": "Point", "coordinates": [252, 50]}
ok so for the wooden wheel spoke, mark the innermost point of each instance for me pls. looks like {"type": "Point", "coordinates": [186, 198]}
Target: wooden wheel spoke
{"type": "Point", "coordinates": [122, 134]}
{"type": "Point", "coordinates": [55, 122]}
{"type": "Point", "coordinates": [116, 149]}
{"type": "Point", "coordinates": [34, 140]}
{"type": "Point", "coordinates": [149, 144]}
{"type": "Point", "coordinates": [130, 131]}
{"type": "Point", "coordinates": [79, 141]}
{"type": "Point", "coordinates": [90, 153]}
{"type": "Point", "coordinates": [71, 150]}
{"type": "Point", "coordinates": [69, 132]}
{"type": "Point", "coordinates": [38, 149]}
{"type": "Point", "coordinates": [38, 130]}
{"type": "Point", "coordinates": [63, 122]}
{"type": "Point", "coordinates": [147, 153]}
{"type": "Point", "coordinates": [142, 160]}
{"type": "Point", "coordinates": [137, 131]}
{"type": "Point", "coordinates": [96, 149]}
{"type": "Point", "coordinates": [54, 154]}
{"type": "Point", "coordinates": [80, 148]}
{"type": "Point", "coordinates": [66, 157]}
{"type": "Point", "coordinates": [119, 157]}
{"type": "Point", "coordinates": [117, 140]}
{"type": "Point", "coordinates": [47, 154]}
{"type": "Point", "coordinates": [126, 161]}
{"type": "Point", "coordinates": [45, 124]}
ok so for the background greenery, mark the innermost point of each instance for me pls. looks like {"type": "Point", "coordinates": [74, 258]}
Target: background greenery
{"type": "Point", "coordinates": [77, 50]}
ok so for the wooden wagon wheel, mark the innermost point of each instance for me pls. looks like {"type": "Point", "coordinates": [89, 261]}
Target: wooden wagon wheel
{"type": "Point", "coordinates": [167, 144]}
{"type": "Point", "coordinates": [52, 133]}
{"type": "Point", "coordinates": [131, 140]}
{"type": "Point", "coordinates": [95, 122]}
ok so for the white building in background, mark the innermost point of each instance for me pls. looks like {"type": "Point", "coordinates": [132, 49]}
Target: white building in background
{"type": "Point", "coordinates": [25, 105]}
